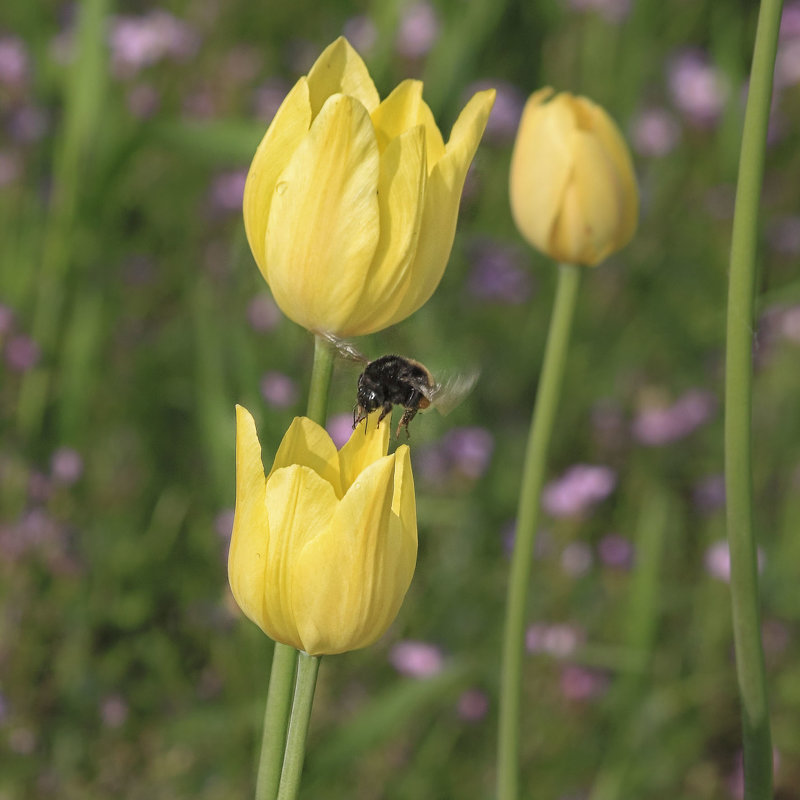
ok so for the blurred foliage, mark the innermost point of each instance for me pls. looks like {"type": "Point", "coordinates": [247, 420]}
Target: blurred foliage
{"type": "Point", "coordinates": [126, 309]}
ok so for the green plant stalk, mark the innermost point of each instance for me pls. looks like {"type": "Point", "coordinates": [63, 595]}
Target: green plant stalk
{"type": "Point", "coordinates": [284, 659]}
{"type": "Point", "coordinates": [547, 399]}
{"type": "Point", "coordinates": [307, 668]}
{"type": "Point", "coordinates": [738, 413]}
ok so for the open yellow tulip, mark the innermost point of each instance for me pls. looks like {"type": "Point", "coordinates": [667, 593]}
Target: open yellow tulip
{"type": "Point", "coordinates": [324, 546]}
{"type": "Point", "coordinates": [350, 205]}
{"type": "Point", "coordinates": [573, 189]}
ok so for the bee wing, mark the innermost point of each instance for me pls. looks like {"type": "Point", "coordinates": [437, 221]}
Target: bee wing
{"type": "Point", "coordinates": [346, 350]}
{"type": "Point", "coordinates": [446, 395]}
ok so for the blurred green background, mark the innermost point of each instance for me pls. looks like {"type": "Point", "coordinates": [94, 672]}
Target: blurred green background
{"type": "Point", "coordinates": [132, 318]}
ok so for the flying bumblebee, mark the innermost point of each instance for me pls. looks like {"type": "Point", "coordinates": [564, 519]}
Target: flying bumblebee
{"type": "Point", "coordinates": [393, 380]}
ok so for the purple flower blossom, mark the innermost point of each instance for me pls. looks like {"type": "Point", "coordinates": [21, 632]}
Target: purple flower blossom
{"type": "Point", "coordinates": [660, 426]}
{"type": "Point", "coordinates": [227, 191]}
{"type": "Point", "coordinates": [787, 63]}
{"type": "Point", "coordinates": [6, 318]}
{"type": "Point", "coordinates": [559, 640]}
{"type": "Point", "coordinates": [267, 99]}
{"type": "Point", "coordinates": [784, 235]}
{"type": "Point", "coordinates": [790, 20]}
{"type": "Point", "coordinates": [655, 133]}
{"type": "Point", "coordinates": [709, 493]}
{"type": "Point", "coordinates": [501, 127]}
{"type": "Point", "coordinates": [616, 551]}
{"type": "Point", "coordinates": [279, 390]}
{"type": "Point", "coordinates": [340, 426]}
{"type": "Point", "coordinates": [473, 704]}
{"type": "Point", "coordinates": [718, 561]}
{"type": "Point", "coordinates": [263, 314]}
{"type": "Point", "coordinates": [578, 489]}
{"type": "Point", "coordinates": [698, 89]}
{"type": "Point", "coordinates": [14, 62]}
{"type": "Point", "coordinates": [223, 523]}
{"type": "Point", "coordinates": [581, 684]}
{"type": "Point", "coordinates": [28, 124]}
{"type": "Point", "coordinates": [418, 30]}
{"type": "Point", "coordinates": [22, 353]}
{"type": "Point", "coordinates": [497, 274]}
{"type": "Point", "coordinates": [361, 32]}
{"type": "Point", "coordinates": [416, 659]}
{"type": "Point", "coordinates": [469, 450]}
{"type": "Point", "coordinates": [114, 711]}
{"type": "Point", "coordinates": [139, 42]}
{"type": "Point", "coordinates": [66, 466]}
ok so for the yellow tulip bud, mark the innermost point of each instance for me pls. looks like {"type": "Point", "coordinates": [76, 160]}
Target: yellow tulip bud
{"type": "Point", "coordinates": [573, 189]}
{"type": "Point", "coordinates": [350, 205]}
{"type": "Point", "coordinates": [324, 546]}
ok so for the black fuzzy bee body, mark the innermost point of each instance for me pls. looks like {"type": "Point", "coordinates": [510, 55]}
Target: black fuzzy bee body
{"type": "Point", "coordinates": [391, 381]}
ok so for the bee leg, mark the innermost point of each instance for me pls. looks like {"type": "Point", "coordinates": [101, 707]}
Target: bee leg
{"type": "Point", "coordinates": [387, 409]}
{"type": "Point", "coordinates": [408, 415]}
{"type": "Point", "coordinates": [358, 415]}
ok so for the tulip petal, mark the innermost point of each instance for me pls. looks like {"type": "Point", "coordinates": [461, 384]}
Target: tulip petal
{"type": "Point", "coordinates": [339, 594]}
{"type": "Point", "coordinates": [606, 130]}
{"type": "Point", "coordinates": [250, 539]}
{"type": "Point", "coordinates": [442, 199]}
{"type": "Point", "coordinates": [401, 196]}
{"type": "Point", "coordinates": [324, 222]}
{"type": "Point", "coordinates": [310, 444]}
{"type": "Point", "coordinates": [585, 229]}
{"type": "Point", "coordinates": [541, 165]}
{"type": "Point", "coordinates": [301, 506]}
{"type": "Point", "coordinates": [341, 70]}
{"type": "Point", "coordinates": [362, 449]}
{"type": "Point", "coordinates": [401, 541]}
{"type": "Point", "coordinates": [287, 129]}
{"type": "Point", "coordinates": [402, 110]}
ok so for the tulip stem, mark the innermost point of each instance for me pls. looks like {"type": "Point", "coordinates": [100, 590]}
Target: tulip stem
{"type": "Point", "coordinates": [307, 668]}
{"type": "Point", "coordinates": [738, 413]}
{"type": "Point", "coordinates": [284, 659]}
{"type": "Point", "coordinates": [276, 718]}
{"type": "Point", "coordinates": [321, 374]}
{"type": "Point", "coordinates": [547, 400]}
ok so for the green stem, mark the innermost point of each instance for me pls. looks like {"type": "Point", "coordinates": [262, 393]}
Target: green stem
{"type": "Point", "coordinates": [307, 668]}
{"type": "Point", "coordinates": [738, 411]}
{"type": "Point", "coordinates": [276, 718]}
{"type": "Point", "coordinates": [547, 399]}
{"type": "Point", "coordinates": [284, 658]}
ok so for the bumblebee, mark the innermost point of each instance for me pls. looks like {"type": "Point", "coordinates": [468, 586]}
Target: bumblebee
{"type": "Point", "coordinates": [393, 380]}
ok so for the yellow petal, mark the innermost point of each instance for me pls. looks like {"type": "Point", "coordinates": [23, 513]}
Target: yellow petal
{"type": "Point", "coordinates": [250, 540]}
{"type": "Point", "coordinates": [541, 165]}
{"type": "Point", "coordinates": [402, 110]}
{"type": "Point", "coordinates": [606, 130]}
{"type": "Point", "coordinates": [300, 506]}
{"type": "Point", "coordinates": [585, 229]}
{"type": "Point", "coordinates": [362, 449]}
{"type": "Point", "coordinates": [287, 129]}
{"type": "Point", "coordinates": [324, 222]}
{"type": "Point", "coordinates": [401, 540]}
{"type": "Point", "coordinates": [340, 70]}
{"type": "Point", "coordinates": [340, 596]}
{"type": "Point", "coordinates": [401, 196]}
{"type": "Point", "coordinates": [442, 199]}
{"type": "Point", "coordinates": [309, 444]}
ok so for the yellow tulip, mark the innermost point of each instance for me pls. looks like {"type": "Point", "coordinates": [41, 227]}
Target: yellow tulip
{"type": "Point", "coordinates": [573, 189]}
{"type": "Point", "coordinates": [324, 546]}
{"type": "Point", "coordinates": [350, 205]}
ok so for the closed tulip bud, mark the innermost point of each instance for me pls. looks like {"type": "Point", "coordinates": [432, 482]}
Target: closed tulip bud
{"type": "Point", "coordinates": [350, 205]}
{"type": "Point", "coordinates": [324, 546]}
{"type": "Point", "coordinates": [573, 189]}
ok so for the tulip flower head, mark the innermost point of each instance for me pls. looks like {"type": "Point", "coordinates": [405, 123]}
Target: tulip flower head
{"type": "Point", "coordinates": [324, 546]}
{"type": "Point", "coordinates": [573, 189]}
{"type": "Point", "coordinates": [351, 202]}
